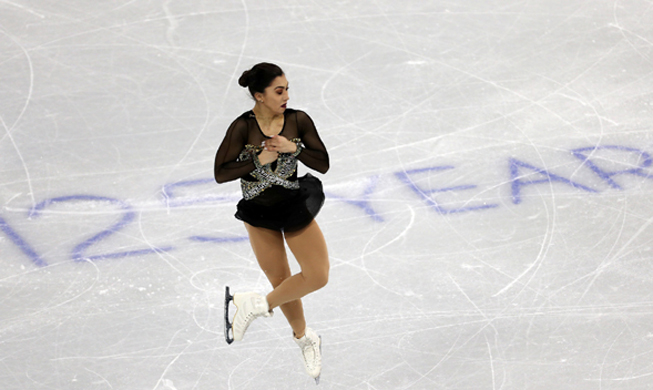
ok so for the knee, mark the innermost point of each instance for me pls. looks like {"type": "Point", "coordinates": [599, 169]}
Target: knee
{"type": "Point", "coordinates": [320, 279]}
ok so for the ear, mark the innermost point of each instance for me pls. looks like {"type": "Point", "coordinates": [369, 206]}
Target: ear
{"type": "Point", "coordinates": [258, 96]}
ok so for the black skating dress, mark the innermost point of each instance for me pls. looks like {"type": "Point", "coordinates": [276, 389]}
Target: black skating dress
{"type": "Point", "coordinates": [274, 197]}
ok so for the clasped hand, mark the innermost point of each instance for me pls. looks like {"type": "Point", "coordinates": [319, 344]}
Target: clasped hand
{"type": "Point", "coordinates": [273, 146]}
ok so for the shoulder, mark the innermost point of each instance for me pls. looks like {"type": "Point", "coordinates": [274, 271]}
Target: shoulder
{"type": "Point", "coordinates": [239, 127]}
{"type": "Point", "coordinates": [245, 116]}
{"type": "Point", "coordinates": [242, 119]}
{"type": "Point", "coordinates": [296, 113]}
{"type": "Point", "coordinates": [302, 118]}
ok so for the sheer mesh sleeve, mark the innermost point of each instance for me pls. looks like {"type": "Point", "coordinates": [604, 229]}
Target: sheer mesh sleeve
{"type": "Point", "coordinates": [226, 167]}
{"type": "Point", "coordinates": [314, 155]}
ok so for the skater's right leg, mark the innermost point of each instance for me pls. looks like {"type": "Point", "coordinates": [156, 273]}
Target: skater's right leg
{"type": "Point", "coordinates": [269, 249]}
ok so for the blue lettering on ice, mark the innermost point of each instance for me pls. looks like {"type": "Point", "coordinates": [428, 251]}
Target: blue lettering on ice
{"type": "Point", "coordinates": [364, 201]}
{"type": "Point", "coordinates": [171, 200]}
{"type": "Point", "coordinates": [522, 175]}
{"type": "Point", "coordinates": [517, 181]}
{"type": "Point", "coordinates": [128, 215]}
{"type": "Point", "coordinates": [21, 243]}
{"type": "Point", "coordinates": [586, 154]}
{"type": "Point", "coordinates": [425, 193]}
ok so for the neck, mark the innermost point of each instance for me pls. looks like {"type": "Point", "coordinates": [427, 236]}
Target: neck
{"type": "Point", "coordinates": [264, 114]}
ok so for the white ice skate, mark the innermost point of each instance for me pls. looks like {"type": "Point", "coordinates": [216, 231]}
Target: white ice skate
{"type": "Point", "coordinates": [249, 306]}
{"type": "Point", "coordinates": [311, 346]}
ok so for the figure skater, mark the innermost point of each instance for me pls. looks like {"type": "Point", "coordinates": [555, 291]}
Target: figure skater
{"type": "Point", "coordinates": [261, 148]}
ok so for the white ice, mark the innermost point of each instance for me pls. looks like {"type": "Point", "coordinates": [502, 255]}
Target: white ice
{"type": "Point", "coordinates": [489, 212]}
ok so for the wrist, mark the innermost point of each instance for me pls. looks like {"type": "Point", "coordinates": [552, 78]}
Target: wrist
{"type": "Point", "coordinates": [258, 164]}
{"type": "Point", "coordinates": [298, 149]}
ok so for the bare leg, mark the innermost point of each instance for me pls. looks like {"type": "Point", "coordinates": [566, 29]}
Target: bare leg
{"type": "Point", "coordinates": [310, 250]}
{"type": "Point", "coordinates": [270, 251]}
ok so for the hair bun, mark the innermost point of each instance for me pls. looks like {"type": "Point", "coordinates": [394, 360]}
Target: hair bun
{"type": "Point", "coordinates": [245, 79]}
{"type": "Point", "coordinates": [259, 77]}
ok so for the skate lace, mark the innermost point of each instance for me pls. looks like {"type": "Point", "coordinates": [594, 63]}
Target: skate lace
{"type": "Point", "coordinates": [249, 319]}
{"type": "Point", "coordinates": [252, 315]}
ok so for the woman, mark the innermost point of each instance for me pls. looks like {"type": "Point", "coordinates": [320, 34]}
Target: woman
{"type": "Point", "coordinates": [261, 148]}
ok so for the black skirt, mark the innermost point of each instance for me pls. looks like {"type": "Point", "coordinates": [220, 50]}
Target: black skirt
{"type": "Point", "coordinates": [284, 210]}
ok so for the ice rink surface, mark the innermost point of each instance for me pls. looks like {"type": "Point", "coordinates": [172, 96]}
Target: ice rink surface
{"type": "Point", "coordinates": [489, 206]}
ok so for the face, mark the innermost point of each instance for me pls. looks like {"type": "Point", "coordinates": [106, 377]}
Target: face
{"type": "Point", "coordinates": [275, 96]}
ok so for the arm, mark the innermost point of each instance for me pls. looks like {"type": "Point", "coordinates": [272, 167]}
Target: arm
{"type": "Point", "coordinates": [226, 167]}
{"type": "Point", "coordinates": [314, 154]}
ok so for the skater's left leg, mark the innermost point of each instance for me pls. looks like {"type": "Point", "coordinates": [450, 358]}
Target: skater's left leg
{"type": "Point", "coordinates": [270, 252]}
{"type": "Point", "coordinates": [310, 250]}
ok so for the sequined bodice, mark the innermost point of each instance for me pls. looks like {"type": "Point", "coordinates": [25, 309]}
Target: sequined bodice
{"type": "Point", "coordinates": [237, 157]}
{"type": "Point", "coordinates": [283, 172]}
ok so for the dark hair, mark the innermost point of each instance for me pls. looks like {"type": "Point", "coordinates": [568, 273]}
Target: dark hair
{"type": "Point", "coordinates": [259, 77]}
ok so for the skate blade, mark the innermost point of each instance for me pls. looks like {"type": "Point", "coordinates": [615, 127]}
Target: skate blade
{"type": "Point", "coordinates": [317, 380]}
{"type": "Point", "coordinates": [228, 326]}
